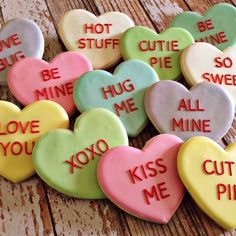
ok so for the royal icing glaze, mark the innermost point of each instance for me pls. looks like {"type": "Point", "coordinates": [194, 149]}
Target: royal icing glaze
{"type": "Point", "coordinates": [96, 37]}
{"type": "Point", "coordinates": [19, 38]}
{"type": "Point", "coordinates": [122, 93]}
{"type": "Point", "coordinates": [208, 173]}
{"type": "Point", "coordinates": [52, 81]}
{"type": "Point", "coordinates": [215, 27]}
{"type": "Point", "coordinates": [73, 156]}
{"type": "Point", "coordinates": [174, 109]}
{"type": "Point", "coordinates": [19, 131]}
{"type": "Point", "coordinates": [145, 183]}
{"type": "Point", "coordinates": [162, 51]}
{"type": "Point", "coordinates": [204, 62]}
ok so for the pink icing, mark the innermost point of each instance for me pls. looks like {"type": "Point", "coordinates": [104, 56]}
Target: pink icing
{"type": "Point", "coordinates": [116, 183]}
{"type": "Point", "coordinates": [25, 77]}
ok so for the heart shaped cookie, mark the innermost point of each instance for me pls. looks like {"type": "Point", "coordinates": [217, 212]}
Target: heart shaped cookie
{"type": "Point", "coordinates": [123, 92]}
{"type": "Point", "coordinates": [174, 109]}
{"type": "Point", "coordinates": [52, 81]}
{"type": "Point", "coordinates": [209, 174]}
{"type": "Point", "coordinates": [204, 62]}
{"type": "Point", "coordinates": [216, 27]}
{"type": "Point", "coordinates": [145, 183]}
{"type": "Point", "coordinates": [96, 37]}
{"type": "Point", "coordinates": [162, 51]}
{"type": "Point", "coordinates": [19, 38]}
{"type": "Point", "coordinates": [19, 130]}
{"type": "Point", "coordinates": [73, 156]}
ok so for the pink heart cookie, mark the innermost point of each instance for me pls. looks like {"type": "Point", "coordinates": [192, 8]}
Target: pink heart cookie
{"type": "Point", "coordinates": [145, 183]}
{"type": "Point", "coordinates": [34, 79]}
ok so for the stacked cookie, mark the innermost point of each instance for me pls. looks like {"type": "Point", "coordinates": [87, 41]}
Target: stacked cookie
{"type": "Point", "coordinates": [95, 161]}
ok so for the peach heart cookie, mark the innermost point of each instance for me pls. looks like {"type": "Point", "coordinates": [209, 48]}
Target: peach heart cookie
{"type": "Point", "coordinates": [20, 129]}
{"type": "Point", "coordinates": [144, 183]}
{"type": "Point", "coordinates": [174, 109]}
{"type": "Point", "coordinates": [209, 174]}
{"type": "Point", "coordinates": [34, 79]}
{"type": "Point", "coordinates": [162, 51]}
{"type": "Point", "coordinates": [96, 37]}
{"type": "Point", "coordinates": [216, 27]}
{"type": "Point", "coordinates": [123, 92]}
{"type": "Point", "coordinates": [73, 156]}
{"type": "Point", "coordinates": [19, 38]}
{"type": "Point", "coordinates": [204, 62]}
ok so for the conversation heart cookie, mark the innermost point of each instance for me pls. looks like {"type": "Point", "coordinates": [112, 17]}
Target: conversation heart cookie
{"type": "Point", "coordinates": [73, 156]}
{"type": "Point", "coordinates": [20, 129]}
{"type": "Point", "coordinates": [209, 174]}
{"type": "Point", "coordinates": [215, 27]}
{"type": "Point", "coordinates": [144, 183]}
{"type": "Point", "coordinates": [204, 62]}
{"type": "Point", "coordinates": [174, 109]}
{"type": "Point", "coordinates": [33, 79]}
{"type": "Point", "coordinates": [123, 92]}
{"type": "Point", "coordinates": [96, 37]}
{"type": "Point", "coordinates": [162, 51]}
{"type": "Point", "coordinates": [19, 38]}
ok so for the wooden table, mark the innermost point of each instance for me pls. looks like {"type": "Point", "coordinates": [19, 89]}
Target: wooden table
{"type": "Point", "coordinates": [33, 208]}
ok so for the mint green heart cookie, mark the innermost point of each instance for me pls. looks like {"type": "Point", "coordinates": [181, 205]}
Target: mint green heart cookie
{"type": "Point", "coordinates": [122, 93]}
{"type": "Point", "coordinates": [217, 26]}
{"type": "Point", "coordinates": [162, 51]}
{"type": "Point", "coordinates": [67, 161]}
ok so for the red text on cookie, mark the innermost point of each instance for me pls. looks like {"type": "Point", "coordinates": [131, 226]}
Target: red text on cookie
{"type": "Point", "coordinates": [9, 43]}
{"type": "Point", "coordinates": [225, 169]}
{"type": "Point", "coordinates": [148, 170]}
{"type": "Point", "coordinates": [218, 78]}
{"type": "Point", "coordinates": [160, 46]}
{"type": "Point", "coordinates": [93, 42]}
{"type": "Point", "coordinates": [113, 90]}
{"type": "Point", "coordinates": [17, 147]}
{"type": "Point", "coordinates": [83, 157]}
{"type": "Point", "coordinates": [213, 38]}
{"type": "Point", "coordinates": [191, 125]}
{"type": "Point", "coordinates": [56, 91]}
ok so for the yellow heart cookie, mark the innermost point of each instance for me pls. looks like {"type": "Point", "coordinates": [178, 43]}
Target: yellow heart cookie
{"type": "Point", "coordinates": [209, 174]}
{"type": "Point", "coordinates": [19, 131]}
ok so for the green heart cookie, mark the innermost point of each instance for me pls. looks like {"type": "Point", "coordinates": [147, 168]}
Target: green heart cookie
{"type": "Point", "coordinates": [217, 26]}
{"type": "Point", "coordinates": [162, 51]}
{"type": "Point", "coordinates": [123, 92]}
{"type": "Point", "coordinates": [67, 161]}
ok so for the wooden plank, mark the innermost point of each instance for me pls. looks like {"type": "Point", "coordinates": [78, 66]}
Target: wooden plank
{"type": "Point", "coordinates": [161, 12]}
{"type": "Point", "coordinates": [85, 217]}
{"type": "Point", "coordinates": [24, 208]}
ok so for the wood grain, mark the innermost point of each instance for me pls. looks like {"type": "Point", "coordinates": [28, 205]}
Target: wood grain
{"type": "Point", "coordinates": [36, 209]}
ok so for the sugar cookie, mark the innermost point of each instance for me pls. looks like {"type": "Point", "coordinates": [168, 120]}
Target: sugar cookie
{"type": "Point", "coordinates": [209, 174]}
{"type": "Point", "coordinates": [204, 62]}
{"type": "Point", "coordinates": [174, 109]}
{"type": "Point", "coordinates": [145, 183]}
{"type": "Point", "coordinates": [19, 38]}
{"type": "Point", "coordinates": [123, 92]}
{"type": "Point", "coordinates": [96, 37]}
{"type": "Point", "coordinates": [33, 79]}
{"type": "Point", "coordinates": [73, 156]}
{"type": "Point", "coordinates": [162, 51]}
{"type": "Point", "coordinates": [216, 27]}
{"type": "Point", "coordinates": [20, 129]}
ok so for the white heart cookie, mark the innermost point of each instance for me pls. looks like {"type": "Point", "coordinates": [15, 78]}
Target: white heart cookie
{"type": "Point", "coordinates": [19, 38]}
{"type": "Point", "coordinates": [96, 37]}
{"type": "Point", "coordinates": [204, 62]}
